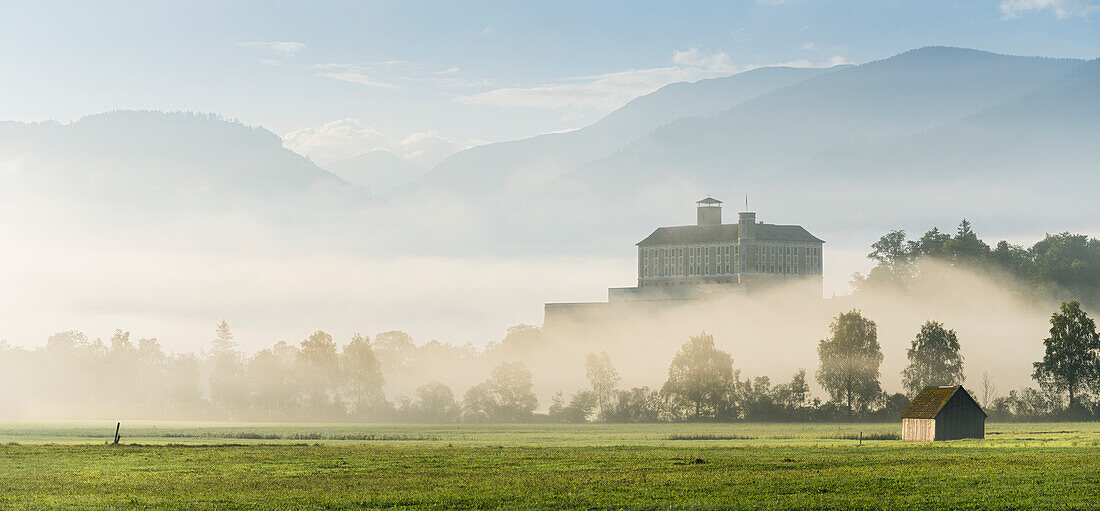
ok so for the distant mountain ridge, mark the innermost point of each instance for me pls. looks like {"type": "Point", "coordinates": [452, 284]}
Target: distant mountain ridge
{"type": "Point", "coordinates": [902, 95]}
{"type": "Point", "coordinates": [156, 172]}
{"type": "Point", "coordinates": [1051, 127]}
{"type": "Point", "coordinates": [556, 153]}
{"type": "Point", "coordinates": [185, 150]}
{"type": "Point", "coordinates": [927, 136]}
{"type": "Point", "coordinates": [796, 143]}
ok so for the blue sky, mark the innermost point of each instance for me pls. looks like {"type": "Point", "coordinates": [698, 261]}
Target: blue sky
{"type": "Point", "coordinates": [425, 78]}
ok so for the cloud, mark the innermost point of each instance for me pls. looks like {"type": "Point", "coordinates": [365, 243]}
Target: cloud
{"type": "Point", "coordinates": [347, 138]}
{"type": "Point", "coordinates": [283, 48]}
{"type": "Point", "coordinates": [489, 30]}
{"type": "Point", "coordinates": [1062, 9]}
{"type": "Point", "coordinates": [612, 90]}
{"type": "Point", "coordinates": [354, 74]}
{"type": "Point", "coordinates": [398, 74]}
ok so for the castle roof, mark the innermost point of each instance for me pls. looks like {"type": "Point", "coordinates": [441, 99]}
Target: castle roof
{"type": "Point", "coordinates": [726, 233]}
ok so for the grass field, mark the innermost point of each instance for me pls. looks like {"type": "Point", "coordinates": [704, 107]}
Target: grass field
{"type": "Point", "coordinates": [651, 466]}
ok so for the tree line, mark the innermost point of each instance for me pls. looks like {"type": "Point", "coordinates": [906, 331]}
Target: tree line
{"type": "Point", "coordinates": [1061, 266]}
{"type": "Point", "coordinates": [318, 380]}
{"type": "Point", "coordinates": [702, 383]}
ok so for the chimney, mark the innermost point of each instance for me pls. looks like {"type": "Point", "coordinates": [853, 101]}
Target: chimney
{"type": "Point", "coordinates": [746, 225]}
{"type": "Point", "coordinates": [710, 211]}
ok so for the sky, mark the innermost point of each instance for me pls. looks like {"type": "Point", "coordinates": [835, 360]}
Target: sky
{"type": "Point", "coordinates": [425, 79]}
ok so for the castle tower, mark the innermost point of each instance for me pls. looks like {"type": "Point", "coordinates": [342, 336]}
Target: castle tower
{"type": "Point", "coordinates": [746, 226]}
{"type": "Point", "coordinates": [710, 211]}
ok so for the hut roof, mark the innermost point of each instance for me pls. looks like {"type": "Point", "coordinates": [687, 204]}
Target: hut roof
{"type": "Point", "coordinates": [931, 400]}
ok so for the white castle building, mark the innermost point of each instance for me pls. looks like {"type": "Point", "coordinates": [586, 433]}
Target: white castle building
{"type": "Point", "coordinates": [711, 252]}
{"type": "Point", "coordinates": [695, 262]}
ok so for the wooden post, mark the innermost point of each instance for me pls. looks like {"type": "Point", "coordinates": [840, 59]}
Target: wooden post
{"type": "Point", "coordinates": [117, 426]}
{"type": "Point", "coordinates": [861, 438]}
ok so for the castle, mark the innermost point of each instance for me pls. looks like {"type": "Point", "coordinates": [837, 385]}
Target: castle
{"type": "Point", "coordinates": [708, 259]}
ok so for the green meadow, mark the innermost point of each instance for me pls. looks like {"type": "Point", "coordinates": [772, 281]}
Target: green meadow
{"type": "Point", "coordinates": [160, 465]}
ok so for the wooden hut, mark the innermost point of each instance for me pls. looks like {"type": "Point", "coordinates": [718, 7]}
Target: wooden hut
{"type": "Point", "coordinates": [942, 413]}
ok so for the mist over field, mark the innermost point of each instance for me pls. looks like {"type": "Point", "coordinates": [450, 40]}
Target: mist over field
{"type": "Point", "coordinates": [770, 334]}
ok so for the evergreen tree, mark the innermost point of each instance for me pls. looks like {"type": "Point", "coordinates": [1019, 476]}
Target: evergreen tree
{"type": "Point", "coordinates": [227, 384]}
{"type": "Point", "coordinates": [223, 339]}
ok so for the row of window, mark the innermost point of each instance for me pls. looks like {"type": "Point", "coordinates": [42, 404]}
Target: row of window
{"type": "Point", "coordinates": [770, 258]}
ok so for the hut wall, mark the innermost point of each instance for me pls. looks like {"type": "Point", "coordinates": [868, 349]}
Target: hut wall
{"type": "Point", "coordinates": [960, 418]}
{"type": "Point", "coordinates": [918, 430]}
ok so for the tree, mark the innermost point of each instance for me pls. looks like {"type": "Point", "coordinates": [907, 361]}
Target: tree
{"type": "Point", "coordinates": [965, 246]}
{"type": "Point", "coordinates": [271, 377]}
{"type": "Point", "coordinates": [223, 339]}
{"type": "Point", "coordinates": [506, 396]}
{"type": "Point", "coordinates": [227, 384]}
{"type": "Point", "coordinates": [395, 350]}
{"type": "Point", "coordinates": [479, 404]}
{"type": "Point", "coordinates": [850, 361]}
{"type": "Point", "coordinates": [934, 359]}
{"type": "Point", "coordinates": [362, 374]}
{"type": "Point", "coordinates": [603, 378]}
{"type": "Point", "coordinates": [989, 390]}
{"type": "Point", "coordinates": [1072, 360]}
{"type": "Point", "coordinates": [895, 262]}
{"type": "Point", "coordinates": [520, 338]}
{"type": "Point", "coordinates": [639, 404]}
{"type": "Point", "coordinates": [319, 370]}
{"type": "Point", "coordinates": [67, 343]}
{"type": "Point", "coordinates": [510, 385]}
{"type": "Point", "coordinates": [1066, 262]}
{"type": "Point", "coordinates": [435, 402]}
{"type": "Point", "coordinates": [700, 376]}
{"type": "Point", "coordinates": [580, 407]}
{"type": "Point", "coordinates": [890, 249]}
{"type": "Point", "coordinates": [930, 244]}
{"type": "Point", "coordinates": [799, 390]}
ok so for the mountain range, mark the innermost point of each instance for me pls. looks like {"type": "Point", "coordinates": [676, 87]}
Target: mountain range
{"type": "Point", "coordinates": [926, 136]}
